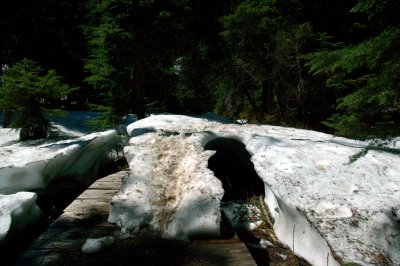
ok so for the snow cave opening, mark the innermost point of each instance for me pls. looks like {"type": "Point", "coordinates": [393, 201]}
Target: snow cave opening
{"type": "Point", "coordinates": [232, 165]}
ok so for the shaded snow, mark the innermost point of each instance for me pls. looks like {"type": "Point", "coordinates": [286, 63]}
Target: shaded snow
{"type": "Point", "coordinates": [95, 245]}
{"type": "Point", "coordinates": [319, 201]}
{"type": "Point", "coordinates": [33, 168]}
{"type": "Point", "coordinates": [16, 212]}
{"type": "Point", "coordinates": [46, 166]}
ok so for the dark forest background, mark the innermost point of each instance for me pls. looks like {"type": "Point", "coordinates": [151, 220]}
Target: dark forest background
{"type": "Point", "coordinates": [332, 66]}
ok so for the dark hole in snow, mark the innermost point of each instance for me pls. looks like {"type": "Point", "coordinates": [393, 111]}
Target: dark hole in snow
{"type": "Point", "coordinates": [232, 165]}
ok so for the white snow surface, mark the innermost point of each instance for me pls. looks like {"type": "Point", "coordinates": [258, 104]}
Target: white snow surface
{"type": "Point", "coordinates": [170, 189]}
{"type": "Point", "coordinates": [17, 211]}
{"type": "Point", "coordinates": [45, 166]}
{"type": "Point", "coordinates": [319, 201]}
{"type": "Point", "coordinates": [27, 167]}
{"type": "Point", "coordinates": [95, 245]}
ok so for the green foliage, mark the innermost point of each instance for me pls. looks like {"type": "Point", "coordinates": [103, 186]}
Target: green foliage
{"type": "Point", "coordinates": [133, 46]}
{"type": "Point", "coordinates": [376, 145]}
{"type": "Point", "coordinates": [380, 13]}
{"type": "Point", "coordinates": [364, 74]}
{"type": "Point", "coordinates": [107, 118]}
{"type": "Point", "coordinates": [26, 88]}
{"type": "Point", "coordinates": [294, 63]}
{"type": "Point", "coordinates": [266, 68]}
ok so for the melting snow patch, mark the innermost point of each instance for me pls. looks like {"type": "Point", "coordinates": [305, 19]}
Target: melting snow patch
{"type": "Point", "coordinates": [329, 209]}
{"type": "Point", "coordinates": [265, 243]}
{"type": "Point", "coordinates": [284, 257]}
{"type": "Point", "coordinates": [242, 215]}
{"type": "Point", "coordinates": [95, 245]}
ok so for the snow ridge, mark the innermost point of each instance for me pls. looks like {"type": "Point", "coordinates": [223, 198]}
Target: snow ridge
{"type": "Point", "coordinates": [165, 190]}
{"type": "Point", "coordinates": [311, 189]}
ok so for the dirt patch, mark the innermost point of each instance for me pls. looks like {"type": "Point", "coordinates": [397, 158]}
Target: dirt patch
{"type": "Point", "coordinates": [261, 240]}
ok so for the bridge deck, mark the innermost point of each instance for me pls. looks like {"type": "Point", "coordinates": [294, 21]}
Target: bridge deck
{"type": "Point", "coordinates": [87, 217]}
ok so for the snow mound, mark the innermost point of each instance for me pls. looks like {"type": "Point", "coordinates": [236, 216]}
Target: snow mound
{"type": "Point", "coordinates": [45, 167]}
{"type": "Point", "coordinates": [324, 207]}
{"type": "Point", "coordinates": [169, 189]}
{"type": "Point", "coordinates": [34, 168]}
{"type": "Point", "coordinates": [95, 245]}
{"type": "Point", "coordinates": [16, 212]}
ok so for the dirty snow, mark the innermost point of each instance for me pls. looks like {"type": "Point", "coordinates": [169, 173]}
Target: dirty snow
{"type": "Point", "coordinates": [332, 210]}
{"type": "Point", "coordinates": [170, 189]}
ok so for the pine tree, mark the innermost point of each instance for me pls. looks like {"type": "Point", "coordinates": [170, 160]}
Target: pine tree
{"type": "Point", "coordinates": [133, 48]}
{"type": "Point", "coordinates": [365, 75]}
{"type": "Point", "coordinates": [26, 88]}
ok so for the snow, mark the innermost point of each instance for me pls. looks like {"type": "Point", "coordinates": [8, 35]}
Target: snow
{"type": "Point", "coordinates": [265, 243]}
{"type": "Point", "coordinates": [95, 245]}
{"type": "Point", "coordinates": [242, 215]}
{"type": "Point", "coordinates": [32, 168]}
{"type": "Point", "coordinates": [165, 192]}
{"type": "Point", "coordinates": [17, 211]}
{"type": "Point", "coordinates": [74, 123]}
{"type": "Point", "coordinates": [324, 207]}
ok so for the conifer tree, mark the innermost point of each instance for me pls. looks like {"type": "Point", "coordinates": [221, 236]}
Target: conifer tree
{"type": "Point", "coordinates": [365, 74]}
{"type": "Point", "coordinates": [26, 88]}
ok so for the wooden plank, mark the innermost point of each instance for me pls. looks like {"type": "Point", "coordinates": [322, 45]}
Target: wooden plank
{"type": "Point", "coordinates": [110, 182]}
{"type": "Point", "coordinates": [144, 251]}
{"type": "Point", "coordinates": [87, 217]}
{"type": "Point", "coordinates": [228, 252]}
{"type": "Point", "coordinates": [82, 206]}
{"type": "Point", "coordinates": [105, 193]}
{"type": "Point", "coordinates": [71, 238]}
{"type": "Point", "coordinates": [105, 185]}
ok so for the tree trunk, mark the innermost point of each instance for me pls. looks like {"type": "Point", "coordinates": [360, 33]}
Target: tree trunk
{"type": "Point", "coordinates": [6, 118]}
{"type": "Point", "coordinates": [264, 96]}
{"type": "Point", "coordinates": [258, 113]}
{"type": "Point", "coordinates": [139, 98]}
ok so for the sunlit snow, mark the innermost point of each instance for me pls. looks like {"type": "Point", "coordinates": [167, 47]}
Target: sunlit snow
{"type": "Point", "coordinates": [46, 166]}
{"type": "Point", "coordinates": [323, 206]}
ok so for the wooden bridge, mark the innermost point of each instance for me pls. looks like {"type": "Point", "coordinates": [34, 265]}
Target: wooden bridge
{"type": "Point", "coordinates": [86, 217]}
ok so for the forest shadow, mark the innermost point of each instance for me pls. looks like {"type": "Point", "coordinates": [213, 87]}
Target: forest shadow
{"type": "Point", "coordinates": [232, 165]}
